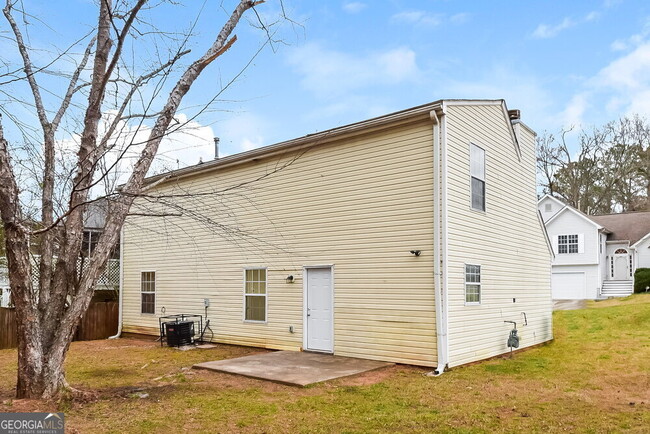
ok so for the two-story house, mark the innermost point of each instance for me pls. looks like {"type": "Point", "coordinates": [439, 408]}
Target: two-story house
{"type": "Point", "coordinates": [595, 256]}
{"type": "Point", "coordinates": [384, 239]}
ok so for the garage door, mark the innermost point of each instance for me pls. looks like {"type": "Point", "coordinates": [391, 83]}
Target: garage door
{"type": "Point", "coordinates": [568, 286]}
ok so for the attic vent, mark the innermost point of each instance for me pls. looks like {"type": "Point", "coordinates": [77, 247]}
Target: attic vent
{"type": "Point", "coordinates": [514, 114]}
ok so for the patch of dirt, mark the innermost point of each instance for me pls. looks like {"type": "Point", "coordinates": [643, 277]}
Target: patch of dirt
{"type": "Point", "coordinates": [116, 344]}
{"type": "Point", "coordinates": [27, 406]}
{"type": "Point", "coordinates": [619, 391]}
{"type": "Point", "coordinates": [370, 377]}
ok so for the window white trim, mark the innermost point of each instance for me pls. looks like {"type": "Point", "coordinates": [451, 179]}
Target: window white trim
{"type": "Point", "coordinates": [478, 172]}
{"type": "Point", "coordinates": [148, 292]}
{"type": "Point", "coordinates": [569, 244]}
{"type": "Point", "coordinates": [479, 284]}
{"type": "Point", "coordinates": [265, 295]}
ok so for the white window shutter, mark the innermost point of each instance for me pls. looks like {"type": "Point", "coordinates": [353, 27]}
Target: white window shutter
{"type": "Point", "coordinates": [581, 243]}
{"type": "Point", "coordinates": [556, 243]}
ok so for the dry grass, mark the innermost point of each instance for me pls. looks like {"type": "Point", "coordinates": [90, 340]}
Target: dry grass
{"type": "Point", "coordinates": [595, 377]}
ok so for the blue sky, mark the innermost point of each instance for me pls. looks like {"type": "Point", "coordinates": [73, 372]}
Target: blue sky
{"type": "Point", "coordinates": [561, 63]}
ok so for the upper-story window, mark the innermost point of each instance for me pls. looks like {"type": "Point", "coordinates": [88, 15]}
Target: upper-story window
{"type": "Point", "coordinates": [548, 207]}
{"type": "Point", "coordinates": [477, 175]}
{"type": "Point", "coordinates": [567, 243]}
{"type": "Point", "coordinates": [89, 243]}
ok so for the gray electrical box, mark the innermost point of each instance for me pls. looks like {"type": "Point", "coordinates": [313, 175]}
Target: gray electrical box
{"type": "Point", "coordinates": [206, 302]}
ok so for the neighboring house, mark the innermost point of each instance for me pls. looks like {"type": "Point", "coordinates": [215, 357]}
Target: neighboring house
{"type": "Point", "coordinates": [595, 256]}
{"type": "Point", "coordinates": [4, 283]}
{"type": "Point", "coordinates": [93, 226]}
{"type": "Point", "coordinates": [411, 237]}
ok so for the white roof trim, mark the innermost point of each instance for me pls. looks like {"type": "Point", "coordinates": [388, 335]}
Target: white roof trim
{"type": "Point", "coordinates": [562, 204]}
{"type": "Point", "coordinates": [504, 108]}
{"type": "Point", "coordinates": [569, 208]}
{"type": "Point", "coordinates": [641, 240]}
{"type": "Point", "coordinates": [551, 197]}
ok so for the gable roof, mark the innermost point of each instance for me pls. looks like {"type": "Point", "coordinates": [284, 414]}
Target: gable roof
{"type": "Point", "coordinates": [554, 199]}
{"type": "Point", "coordinates": [323, 137]}
{"type": "Point", "coordinates": [630, 226]}
{"type": "Point", "coordinates": [584, 216]}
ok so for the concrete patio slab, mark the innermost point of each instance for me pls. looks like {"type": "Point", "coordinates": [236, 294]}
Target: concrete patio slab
{"type": "Point", "coordinates": [293, 367]}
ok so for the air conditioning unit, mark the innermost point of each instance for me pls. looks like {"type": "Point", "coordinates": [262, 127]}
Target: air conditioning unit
{"type": "Point", "coordinates": [179, 333]}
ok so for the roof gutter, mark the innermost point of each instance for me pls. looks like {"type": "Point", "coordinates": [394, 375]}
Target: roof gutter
{"type": "Point", "coordinates": [346, 131]}
{"type": "Point", "coordinates": [439, 235]}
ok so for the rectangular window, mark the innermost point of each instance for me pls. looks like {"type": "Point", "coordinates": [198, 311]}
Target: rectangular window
{"type": "Point", "coordinates": [567, 243]}
{"type": "Point", "coordinates": [472, 284]}
{"type": "Point", "coordinates": [631, 266]}
{"type": "Point", "coordinates": [255, 295]}
{"type": "Point", "coordinates": [148, 292]}
{"type": "Point", "coordinates": [600, 237]}
{"type": "Point", "coordinates": [477, 174]}
{"type": "Point", "coordinates": [89, 242]}
{"type": "Point", "coordinates": [548, 207]}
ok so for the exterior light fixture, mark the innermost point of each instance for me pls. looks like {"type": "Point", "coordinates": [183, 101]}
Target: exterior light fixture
{"type": "Point", "coordinates": [415, 252]}
{"type": "Point", "coordinates": [290, 279]}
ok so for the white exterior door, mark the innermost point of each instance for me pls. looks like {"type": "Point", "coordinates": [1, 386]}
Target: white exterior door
{"type": "Point", "coordinates": [621, 267]}
{"type": "Point", "coordinates": [568, 286]}
{"type": "Point", "coordinates": [319, 312]}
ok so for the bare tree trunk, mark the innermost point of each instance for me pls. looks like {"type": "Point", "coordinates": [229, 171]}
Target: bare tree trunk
{"type": "Point", "coordinates": [47, 316]}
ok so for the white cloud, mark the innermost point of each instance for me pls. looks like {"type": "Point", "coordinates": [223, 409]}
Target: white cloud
{"type": "Point", "coordinates": [186, 143]}
{"type": "Point", "coordinates": [628, 73]}
{"type": "Point", "coordinates": [520, 91]}
{"type": "Point", "coordinates": [632, 41]}
{"type": "Point", "coordinates": [242, 132]}
{"type": "Point", "coordinates": [419, 18]}
{"type": "Point", "coordinates": [249, 143]}
{"type": "Point", "coordinates": [460, 18]}
{"type": "Point", "coordinates": [545, 31]}
{"type": "Point", "coordinates": [574, 111]}
{"type": "Point", "coordinates": [354, 7]}
{"type": "Point", "coordinates": [331, 74]}
{"type": "Point", "coordinates": [620, 88]}
{"type": "Point", "coordinates": [350, 108]}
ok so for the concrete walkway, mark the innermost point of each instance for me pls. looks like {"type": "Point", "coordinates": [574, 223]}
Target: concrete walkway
{"type": "Point", "coordinates": [293, 367]}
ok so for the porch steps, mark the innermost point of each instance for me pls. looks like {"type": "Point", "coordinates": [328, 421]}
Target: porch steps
{"type": "Point", "coordinates": [617, 288]}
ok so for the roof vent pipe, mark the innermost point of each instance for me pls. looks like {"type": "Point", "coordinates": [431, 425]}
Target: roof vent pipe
{"type": "Point", "coordinates": [216, 148]}
{"type": "Point", "coordinates": [514, 114]}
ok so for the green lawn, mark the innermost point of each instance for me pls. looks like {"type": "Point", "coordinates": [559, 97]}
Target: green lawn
{"type": "Point", "coordinates": [595, 377]}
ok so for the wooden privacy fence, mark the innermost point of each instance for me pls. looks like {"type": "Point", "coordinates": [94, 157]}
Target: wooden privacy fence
{"type": "Point", "coordinates": [99, 322]}
{"type": "Point", "coordinates": [7, 328]}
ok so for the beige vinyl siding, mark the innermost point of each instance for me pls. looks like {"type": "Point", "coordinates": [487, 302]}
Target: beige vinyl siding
{"type": "Point", "coordinates": [506, 240]}
{"type": "Point", "coordinates": [360, 204]}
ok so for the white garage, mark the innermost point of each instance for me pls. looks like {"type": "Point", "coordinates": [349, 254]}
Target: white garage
{"type": "Point", "coordinates": [569, 285]}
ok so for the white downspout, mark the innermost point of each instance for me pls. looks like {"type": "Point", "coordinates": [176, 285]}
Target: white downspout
{"type": "Point", "coordinates": [121, 294]}
{"type": "Point", "coordinates": [439, 210]}
{"type": "Point", "coordinates": [445, 231]}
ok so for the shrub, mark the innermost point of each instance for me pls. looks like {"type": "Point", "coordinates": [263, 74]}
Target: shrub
{"type": "Point", "coordinates": [641, 279]}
